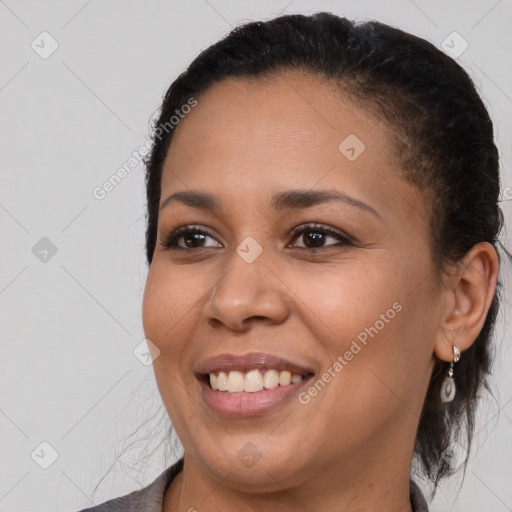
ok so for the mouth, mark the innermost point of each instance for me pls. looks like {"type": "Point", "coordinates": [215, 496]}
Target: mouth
{"type": "Point", "coordinates": [250, 384]}
{"type": "Point", "coordinates": [253, 381]}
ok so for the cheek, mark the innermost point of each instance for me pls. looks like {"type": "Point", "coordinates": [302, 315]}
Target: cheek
{"type": "Point", "coordinates": [164, 312]}
{"type": "Point", "coordinates": [157, 303]}
{"type": "Point", "coordinates": [345, 299]}
{"type": "Point", "coordinates": [168, 319]}
{"type": "Point", "coordinates": [168, 302]}
{"type": "Point", "coordinates": [374, 318]}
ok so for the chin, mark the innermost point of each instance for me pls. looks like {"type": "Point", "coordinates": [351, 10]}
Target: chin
{"type": "Point", "coordinates": [253, 463]}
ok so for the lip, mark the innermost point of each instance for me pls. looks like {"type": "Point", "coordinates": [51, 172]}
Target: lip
{"type": "Point", "coordinates": [243, 403]}
{"type": "Point", "coordinates": [252, 361]}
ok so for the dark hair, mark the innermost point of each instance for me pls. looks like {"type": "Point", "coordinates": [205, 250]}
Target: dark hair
{"type": "Point", "coordinates": [444, 142]}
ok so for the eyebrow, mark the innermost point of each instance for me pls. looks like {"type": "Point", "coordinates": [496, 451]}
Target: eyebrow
{"type": "Point", "coordinates": [291, 199]}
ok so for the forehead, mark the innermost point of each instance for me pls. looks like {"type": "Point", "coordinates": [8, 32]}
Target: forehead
{"type": "Point", "coordinates": [281, 111]}
{"type": "Point", "coordinates": [290, 129]}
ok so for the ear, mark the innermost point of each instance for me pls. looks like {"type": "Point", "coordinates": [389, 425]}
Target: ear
{"type": "Point", "coordinates": [469, 291]}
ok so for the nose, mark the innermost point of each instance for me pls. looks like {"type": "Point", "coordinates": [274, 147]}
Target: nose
{"type": "Point", "coordinates": [247, 292]}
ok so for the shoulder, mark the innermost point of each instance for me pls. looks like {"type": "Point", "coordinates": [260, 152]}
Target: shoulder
{"type": "Point", "coordinates": [147, 499]}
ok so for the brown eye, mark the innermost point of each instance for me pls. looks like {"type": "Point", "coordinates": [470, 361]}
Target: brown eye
{"type": "Point", "coordinates": [315, 236]}
{"type": "Point", "coordinates": [193, 238]}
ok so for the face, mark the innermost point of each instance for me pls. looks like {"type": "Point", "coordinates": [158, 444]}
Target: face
{"type": "Point", "coordinates": [310, 256]}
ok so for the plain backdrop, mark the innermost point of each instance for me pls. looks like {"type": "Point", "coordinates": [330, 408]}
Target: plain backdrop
{"type": "Point", "coordinates": [79, 82]}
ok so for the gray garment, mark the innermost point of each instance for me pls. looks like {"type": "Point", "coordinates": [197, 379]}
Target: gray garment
{"type": "Point", "coordinates": [150, 498]}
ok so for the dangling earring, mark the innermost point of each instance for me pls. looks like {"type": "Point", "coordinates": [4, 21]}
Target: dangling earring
{"type": "Point", "coordinates": [448, 387]}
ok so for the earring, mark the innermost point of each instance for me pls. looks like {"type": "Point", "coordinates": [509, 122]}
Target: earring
{"type": "Point", "coordinates": [448, 387]}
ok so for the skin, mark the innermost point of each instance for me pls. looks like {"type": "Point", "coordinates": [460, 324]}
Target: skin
{"type": "Point", "coordinates": [350, 447]}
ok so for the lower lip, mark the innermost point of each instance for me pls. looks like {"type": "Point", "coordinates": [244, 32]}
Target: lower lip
{"type": "Point", "coordinates": [249, 404]}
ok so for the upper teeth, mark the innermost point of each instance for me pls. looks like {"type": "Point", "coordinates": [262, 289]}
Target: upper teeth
{"type": "Point", "coordinates": [252, 381]}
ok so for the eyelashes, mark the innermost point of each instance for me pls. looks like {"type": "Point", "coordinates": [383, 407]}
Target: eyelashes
{"type": "Point", "coordinates": [324, 231]}
{"type": "Point", "coordinates": [169, 242]}
{"type": "Point", "coordinates": [191, 235]}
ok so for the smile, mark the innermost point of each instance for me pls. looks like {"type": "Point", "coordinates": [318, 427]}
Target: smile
{"type": "Point", "coordinates": [252, 381]}
{"type": "Point", "coordinates": [249, 384]}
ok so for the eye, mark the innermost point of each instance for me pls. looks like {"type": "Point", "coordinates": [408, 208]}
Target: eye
{"type": "Point", "coordinates": [314, 236]}
{"type": "Point", "coordinates": [193, 238]}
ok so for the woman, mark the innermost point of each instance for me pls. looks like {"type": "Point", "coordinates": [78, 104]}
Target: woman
{"type": "Point", "coordinates": [322, 239]}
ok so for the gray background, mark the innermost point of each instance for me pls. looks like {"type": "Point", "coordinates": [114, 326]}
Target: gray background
{"type": "Point", "coordinates": [70, 322]}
